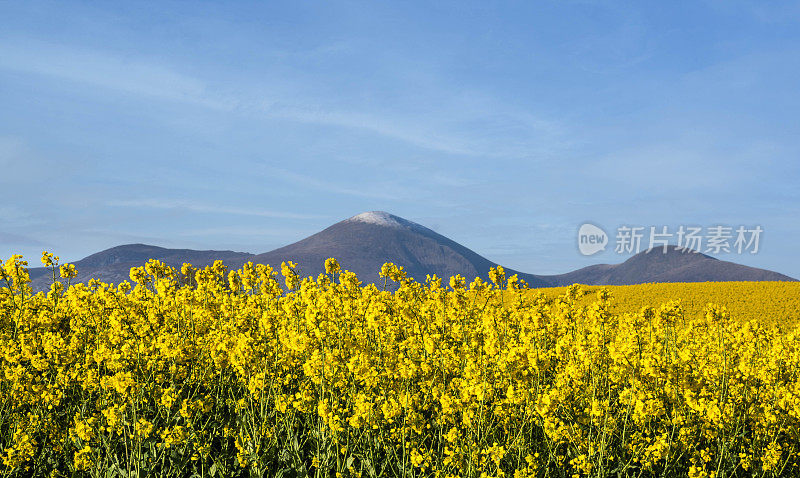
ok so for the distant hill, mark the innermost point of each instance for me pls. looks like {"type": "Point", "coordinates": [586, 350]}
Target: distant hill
{"type": "Point", "coordinates": [364, 242]}
{"type": "Point", "coordinates": [675, 265]}
{"type": "Point", "coordinates": [114, 265]}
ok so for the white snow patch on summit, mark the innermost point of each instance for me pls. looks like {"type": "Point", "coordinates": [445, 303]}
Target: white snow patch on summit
{"type": "Point", "coordinates": [382, 218]}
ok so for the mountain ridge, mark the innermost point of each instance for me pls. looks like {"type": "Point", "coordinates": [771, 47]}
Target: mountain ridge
{"type": "Point", "coordinates": [362, 243]}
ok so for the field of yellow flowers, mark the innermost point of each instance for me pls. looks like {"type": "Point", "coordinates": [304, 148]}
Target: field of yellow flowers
{"type": "Point", "coordinates": [767, 302]}
{"type": "Point", "coordinates": [257, 372]}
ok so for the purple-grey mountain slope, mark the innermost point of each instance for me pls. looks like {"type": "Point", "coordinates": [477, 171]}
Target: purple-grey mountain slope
{"type": "Point", "coordinates": [675, 265]}
{"type": "Point", "coordinates": [114, 265]}
{"type": "Point", "coordinates": [364, 242]}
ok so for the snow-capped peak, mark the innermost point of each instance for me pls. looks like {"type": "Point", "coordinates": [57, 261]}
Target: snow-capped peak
{"type": "Point", "coordinates": [382, 218]}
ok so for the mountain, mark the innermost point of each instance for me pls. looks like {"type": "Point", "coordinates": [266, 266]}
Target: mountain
{"type": "Point", "coordinates": [114, 265]}
{"type": "Point", "coordinates": [364, 242]}
{"type": "Point", "coordinates": [674, 265]}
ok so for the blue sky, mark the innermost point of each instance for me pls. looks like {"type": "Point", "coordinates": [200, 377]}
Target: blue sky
{"type": "Point", "coordinates": [504, 126]}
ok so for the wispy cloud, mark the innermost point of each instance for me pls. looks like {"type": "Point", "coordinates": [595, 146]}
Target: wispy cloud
{"type": "Point", "coordinates": [20, 164]}
{"type": "Point", "coordinates": [206, 208]}
{"type": "Point", "coordinates": [370, 191]}
{"type": "Point", "coordinates": [15, 216]}
{"type": "Point", "coordinates": [376, 124]}
{"type": "Point", "coordinates": [451, 131]}
{"type": "Point", "coordinates": [242, 231]}
{"type": "Point", "coordinates": [8, 238]}
{"type": "Point", "coordinates": [127, 74]}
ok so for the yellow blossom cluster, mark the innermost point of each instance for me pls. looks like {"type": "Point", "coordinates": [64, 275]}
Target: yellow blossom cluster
{"type": "Point", "coordinates": [251, 372]}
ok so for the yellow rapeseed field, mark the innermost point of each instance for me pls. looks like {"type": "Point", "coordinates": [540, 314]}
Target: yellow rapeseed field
{"type": "Point", "coordinates": [767, 302]}
{"type": "Point", "coordinates": [258, 373]}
